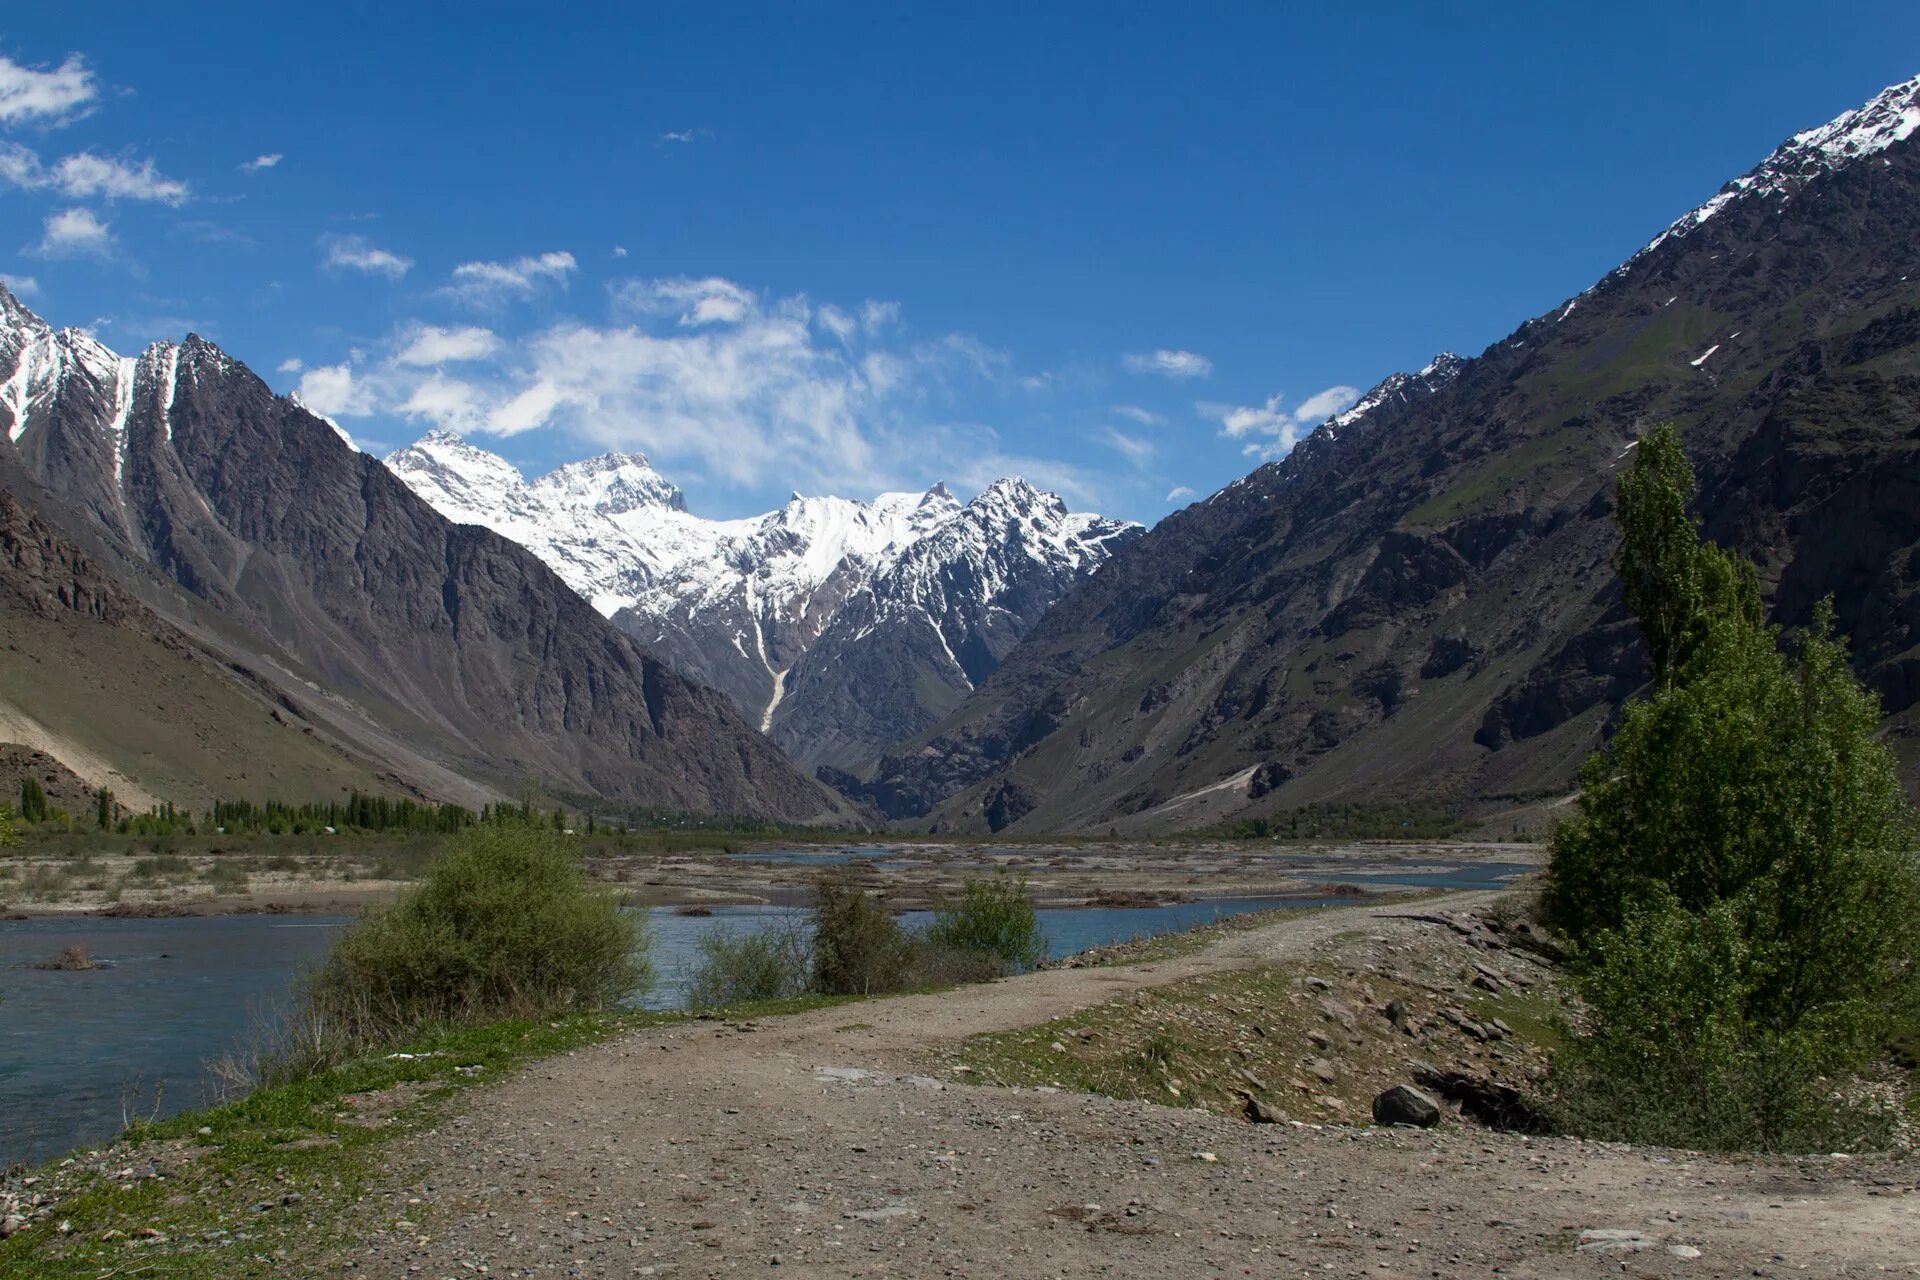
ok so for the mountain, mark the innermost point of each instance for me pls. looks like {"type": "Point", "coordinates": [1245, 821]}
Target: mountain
{"type": "Point", "coordinates": [1417, 606]}
{"type": "Point", "coordinates": [840, 627]}
{"type": "Point", "coordinates": [448, 655]}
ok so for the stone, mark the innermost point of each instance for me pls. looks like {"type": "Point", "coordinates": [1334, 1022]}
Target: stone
{"type": "Point", "coordinates": [1322, 1070]}
{"type": "Point", "coordinates": [1404, 1104]}
{"type": "Point", "coordinates": [1259, 1112]}
{"type": "Point", "coordinates": [1614, 1240]}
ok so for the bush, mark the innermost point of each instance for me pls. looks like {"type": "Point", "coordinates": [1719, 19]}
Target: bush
{"type": "Point", "coordinates": [1673, 1056]}
{"type": "Point", "coordinates": [992, 918]}
{"type": "Point", "coordinates": [505, 924]}
{"type": "Point", "coordinates": [771, 963]}
{"type": "Point", "coordinates": [858, 947]}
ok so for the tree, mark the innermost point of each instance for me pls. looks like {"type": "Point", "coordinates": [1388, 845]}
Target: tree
{"type": "Point", "coordinates": [1745, 823]}
{"type": "Point", "coordinates": [33, 801]}
{"type": "Point", "coordinates": [103, 808]}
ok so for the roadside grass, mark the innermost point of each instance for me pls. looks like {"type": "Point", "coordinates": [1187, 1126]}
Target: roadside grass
{"type": "Point", "coordinates": [1307, 1042]}
{"type": "Point", "coordinates": [270, 1184]}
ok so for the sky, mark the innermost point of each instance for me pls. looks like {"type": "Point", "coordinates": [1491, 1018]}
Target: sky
{"type": "Point", "coordinates": [1128, 251]}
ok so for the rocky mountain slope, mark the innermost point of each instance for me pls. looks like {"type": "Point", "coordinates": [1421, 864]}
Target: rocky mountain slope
{"type": "Point", "coordinates": [840, 627]}
{"type": "Point", "coordinates": [1417, 605]}
{"type": "Point", "coordinates": [445, 651]}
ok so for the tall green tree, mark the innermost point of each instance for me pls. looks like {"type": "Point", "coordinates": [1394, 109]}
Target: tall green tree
{"type": "Point", "coordinates": [1740, 876]}
{"type": "Point", "coordinates": [33, 801]}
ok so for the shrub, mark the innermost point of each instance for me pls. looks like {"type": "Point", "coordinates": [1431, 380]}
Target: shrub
{"type": "Point", "coordinates": [992, 918]}
{"type": "Point", "coordinates": [504, 925]}
{"type": "Point", "coordinates": [1673, 1055]}
{"type": "Point", "coordinates": [770, 963]}
{"type": "Point", "coordinates": [858, 948]}
{"type": "Point", "coordinates": [227, 877]}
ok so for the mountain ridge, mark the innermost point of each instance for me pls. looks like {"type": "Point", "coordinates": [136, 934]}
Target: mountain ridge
{"type": "Point", "coordinates": [458, 651]}
{"type": "Point", "coordinates": [933, 589]}
{"type": "Point", "coordinates": [1418, 607]}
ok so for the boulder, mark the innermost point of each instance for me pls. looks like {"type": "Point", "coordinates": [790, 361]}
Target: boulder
{"type": "Point", "coordinates": [1404, 1104]}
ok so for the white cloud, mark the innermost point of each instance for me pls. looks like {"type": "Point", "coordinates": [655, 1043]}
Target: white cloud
{"type": "Point", "coordinates": [21, 286]}
{"type": "Point", "coordinates": [494, 283]}
{"type": "Point", "coordinates": [292, 364]}
{"type": "Point", "coordinates": [30, 95]}
{"type": "Point", "coordinates": [692, 302]}
{"type": "Point", "coordinates": [86, 176]}
{"type": "Point", "coordinates": [727, 385]}
{"type": "Point", "coordinates": [677, 135]}
{"type": "Point", "coordinates": [75, 233]}
{"type": "Point", "coordinates": [432, 345]}
{"type": "Point", "coordinates": [332, 391]}
{"type": "Point", "coordinates": [355, 253]}
{"type": "Point", "coordinates": [1145, 417]}
{"type": "Point", "coordinates": [619, 251]}
{"type": "Point", "coordinates": [259, 163]}
{"type": "Point", "coordinates": [1178, 493]}
{"type": "Point", "coordinates": [1135, 450]}
{"type": "Point", "coordinates": [1170, 364]}
{"type": "Point", "coordinates": [1272, 431]}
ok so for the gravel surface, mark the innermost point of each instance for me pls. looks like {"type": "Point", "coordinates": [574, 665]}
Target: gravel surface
{"type": "Point", "coordinates": [813, 1145]}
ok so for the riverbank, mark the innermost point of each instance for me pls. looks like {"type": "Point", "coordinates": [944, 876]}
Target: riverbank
{"type": "Point", "coordinates": [846, 1140]}
{"type": "Point", "coordinates": [322, 876]}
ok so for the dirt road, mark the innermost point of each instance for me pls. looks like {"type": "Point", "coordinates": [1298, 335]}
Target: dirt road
{"type": "Point", "coordinates": [814, 1145]}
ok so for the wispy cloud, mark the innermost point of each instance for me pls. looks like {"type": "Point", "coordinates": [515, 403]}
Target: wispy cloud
{"type": "Point", "coordinates": [432, 345]}
{"type": "Point", "coordinates": [75, 233]}
{"type": "Point", "coordinates": [86, 176]}
{"type": "Point", "coordinates": [1169, 364]}
{"type": "Point", "coordinates": [1145, 417]}
{"type": "Point", "coordinates": [1270, 430]}
{"type": "Point", "coordinates": [356, 253]}
{"type": "Point", "coordinates": [259, 163]}
{"type": "Point", "coordinates": [727, 384]}
{"type": "Point", "coordinates": [292, 364]}
{"type": "Point", "coordinates": [21, 286]}
{"type": "Point", "coordinates": [1179, 493]}
{"type": "Point", "coordinates": [492, 284]}
{"type": "Point", "coordinates": [1136, 450]}
{"type": "Point", "coordinates": [45, 96]}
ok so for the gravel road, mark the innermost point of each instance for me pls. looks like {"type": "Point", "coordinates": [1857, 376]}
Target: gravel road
{"type": "Point", "coordinates": [812, 1145]}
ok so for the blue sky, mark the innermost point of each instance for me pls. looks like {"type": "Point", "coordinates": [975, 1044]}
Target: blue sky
{"type": "Point", "coordinates": [844, 248]}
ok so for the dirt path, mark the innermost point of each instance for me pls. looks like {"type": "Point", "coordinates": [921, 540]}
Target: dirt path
{"type": "Point", "coordinates": [810, 1144]}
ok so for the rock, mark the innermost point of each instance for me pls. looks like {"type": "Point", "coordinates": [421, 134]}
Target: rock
{"type": "Point", "coordinates": [1683, 1251]}
{"type": "Point", "coordinates": [1396, 1012]}
{"type": "Point", "coordinates": [1495, 1105]}
{"type": "Point", "coordinates": [1322, 1070]}
{"type": "Point", "coordinates": [1614, 1240]}
{"type": "Point", "coordinates": [1404, 1104]}
{"type": "Point", "coordinates": [1259, 1112]}
{"type": "Point", "coordinates": [12, 1224]}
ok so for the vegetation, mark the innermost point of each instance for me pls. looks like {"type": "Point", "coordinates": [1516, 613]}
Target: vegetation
{"type": "Point", "coordinates": [505, 924]}
{"type": "Point", "coordinates": [992, 918]}
{"type": "Point", "coordinates": [771, 963]}
{"type": "Point", "coordinates": [1348, 822]}
{"type": "Point", "coordinates": [858, 947]}
{"type": "Point", "coordinates": [33, 801]}
{"type": "Point", "coordinates": [1740, 880]}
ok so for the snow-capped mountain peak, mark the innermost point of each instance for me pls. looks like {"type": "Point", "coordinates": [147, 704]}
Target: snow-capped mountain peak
{"type": "Point", "coordinates": [742, 604]}
{"type": "Point", "coordinates": [1891, 116]}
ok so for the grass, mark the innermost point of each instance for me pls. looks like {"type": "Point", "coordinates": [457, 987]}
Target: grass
{"type": "Point", "coordinates": [1309, 1044]}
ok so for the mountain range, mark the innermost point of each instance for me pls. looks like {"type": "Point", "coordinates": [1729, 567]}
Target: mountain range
{"type": "Point", "coordinates": [332, 628]}
{"type": "Point", "coordinates": [206, 590]}
{"type": "Point", "coordinates": [840, 627]}
{"type": "Point", "coordinates": [1417, 606]}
